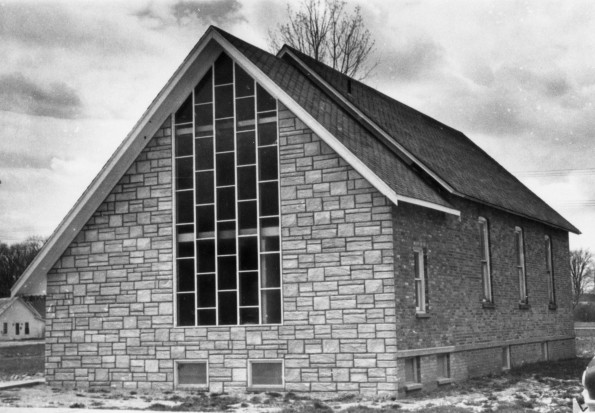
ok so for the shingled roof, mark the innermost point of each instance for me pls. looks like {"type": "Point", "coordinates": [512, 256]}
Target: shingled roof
{"type": "Point", "coordinates": [464, 168]}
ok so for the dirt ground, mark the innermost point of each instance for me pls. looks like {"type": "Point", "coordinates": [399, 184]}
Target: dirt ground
{"type": "Point", "coordinates": [543, 387]}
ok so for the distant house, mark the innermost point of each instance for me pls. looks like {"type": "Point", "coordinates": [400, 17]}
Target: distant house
{"type": "Point", "coordinates": [19, 320]}
{"type": "Point", "coordinates": [270, 223]}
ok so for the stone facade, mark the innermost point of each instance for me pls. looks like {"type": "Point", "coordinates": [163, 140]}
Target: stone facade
{"type": "Point", "coordinates": [348, 311]}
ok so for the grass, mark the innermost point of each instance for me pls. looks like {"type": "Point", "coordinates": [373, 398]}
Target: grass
{"type": "Point", "coordinates": [26, 360]}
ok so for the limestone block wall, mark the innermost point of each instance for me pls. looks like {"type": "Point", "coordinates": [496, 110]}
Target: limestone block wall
{"type": "Point", "coordinates": [111, 299]}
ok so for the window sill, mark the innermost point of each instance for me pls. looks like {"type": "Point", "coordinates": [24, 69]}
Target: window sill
{"type": "Point", "coordinates": [422, 315]}
{"type": "Point", "coordinates": [524, 306]}
{"type": "Point", "coordinates": [488, 305]}
{"type": "Point", "coordinates": [413, 386]}
{"type": "Point", "coordinates": [444, 381]}
{"type": "Point", "coordinates": [193, 387]}
{"type": "Point", "coordinates": [552, 306]}
{"type": "Point", "coordinates": [261, 389]}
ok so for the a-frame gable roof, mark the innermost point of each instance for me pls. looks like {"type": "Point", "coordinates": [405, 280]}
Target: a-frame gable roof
{"type": "Point", "coordinates": [385, 170]}
{"type": "Point", "coordinates": [450, 157]}
{"type": "Point", "coordinates": [6, 303]}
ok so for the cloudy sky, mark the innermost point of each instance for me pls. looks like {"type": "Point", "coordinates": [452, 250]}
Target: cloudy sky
{"type": "Point", "coordinates": [517, 77]}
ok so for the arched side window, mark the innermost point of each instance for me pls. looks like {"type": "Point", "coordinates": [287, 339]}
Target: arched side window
{"type": "Point", "coordinates": [549, 268]}
{"type": "Point", "coordinates": [486, 270]}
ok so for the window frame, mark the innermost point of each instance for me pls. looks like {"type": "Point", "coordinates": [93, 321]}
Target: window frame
{"type": "Point", "coordinates": [4, 329]}
{"type": "Point", "coordinates": [520, 259]}
{"type": "Point", "coordinates": [177, 385]}
{"type": "Point", "coordinates": [250, 383]}
{"type": "Point", "coordinates": [27, 331]}
{"type": "Point", "coordinates": [506, 358]}
{"type": "Point", "coordinates": [259, 217]}
{"type": "Point", "coordinates": [443, 365]}
{"type": "Point", "coordinates": [421, 279]}
{"type": "Point", "coordinates": [416, 368]}
{"type": "Point", "coordinates": [549, 269]}
{"type": "Point", "coordinates": [485, 260]}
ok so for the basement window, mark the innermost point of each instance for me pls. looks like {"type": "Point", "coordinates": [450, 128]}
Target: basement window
{"type": "Point", "coordinates": [506, 358]}
{"type": "Point", "coordinates": [191, 374]}
{"type": "Point", "coordinates": [412, 374]}
{"type": "Point", "coordinates": [265, 373]}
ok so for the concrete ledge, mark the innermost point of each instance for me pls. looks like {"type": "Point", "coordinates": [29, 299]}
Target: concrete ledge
{"type": "Point", "coordinates": [476, 346]}
{"type": "Point", "coordinates": [20, 383]}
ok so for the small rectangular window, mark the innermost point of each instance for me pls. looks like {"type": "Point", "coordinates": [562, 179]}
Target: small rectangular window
{"type": "Point", "coordinates": [421, 287]}
{"type": "Point", "coordinates": [412, 370]}
{"type": "Point", "coordinates": [267, 373]}
{"type": "Point", "coordinates": [545, 351]}
{"type": "Point", "coordinates": [191, 374]}
{"type": "Point", "coordinates": [519, 248]}
{"type": "Point", "coordinates": [17, 329]}
{"type": "Point", "coordinates": [443, 366]}
{"type": "Point", "coordinates": [4, 328]}
{"type": "Point", "coordinates": [26, 328]}
{"type": "Point", "coordinates": [486, 271]}
{"type": "Point", "coordinates": [549, 266]}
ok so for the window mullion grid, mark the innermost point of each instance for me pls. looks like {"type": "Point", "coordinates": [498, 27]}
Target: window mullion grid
{"type": "Point", "coordinates": [256, 157]}
{"type": "Point", "coordinates": [236, 181]}
{"type": "Point", "coordinates": [215, 195]}
{"type": "Point", "coordinates": [194, 168]}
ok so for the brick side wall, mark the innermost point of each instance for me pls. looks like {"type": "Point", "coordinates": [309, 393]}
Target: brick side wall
{"type": "Point", "coordinates": [110, 296]}
{"type": "Point", "coordinates": [457, 317]}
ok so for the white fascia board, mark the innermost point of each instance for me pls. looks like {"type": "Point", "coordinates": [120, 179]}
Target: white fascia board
{"type": "Point", "coordinates": [323, 133]}
{"type": "Point", "coordinates": [33, 281]}
{"type": "Point", "coordinates": [373, 124]}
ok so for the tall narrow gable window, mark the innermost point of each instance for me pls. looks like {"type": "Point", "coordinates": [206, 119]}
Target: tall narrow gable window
{"type": "Point", "coordinates": [549, 267]}
{"type": "Point", "coordinates": [421, 281]}
{"type": "Point", "coordinates": [519, 248]}
{"type": "Point", "coordinates": [486, 270]}
{"type": "Point", "coordinates": [228, 259]}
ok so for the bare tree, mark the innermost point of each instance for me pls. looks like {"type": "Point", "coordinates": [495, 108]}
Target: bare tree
{"type": "Point", "coordinates": [14, 259]}
{"type": "Point", "coordinates": [581, 272]}
{"type": "Point", "coordinates": [324, 30]}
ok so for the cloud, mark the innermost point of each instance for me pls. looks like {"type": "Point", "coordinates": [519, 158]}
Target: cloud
{"type": "Point", "coordinates": [411, 60]}
{"type": "Point", "coordinates": [190, 13]}
{"type": "Point", "coordinates": [56, 100]}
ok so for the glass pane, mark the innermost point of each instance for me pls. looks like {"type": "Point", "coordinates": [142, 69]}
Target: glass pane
{"type": "Point", "coordinates": [204, 154]}
{"type": "Point", "coordinates": [226, 203]}
{"type": "Point", "coordinates": [267, 374]}
{"type": "Point", "coordinates": [246, 148]}
{"type": "Point", "coordinates": [245, 113]}
{"type": "Point", "coordinates": [416, 264]}
{"type": "Point", "coordinates": [204, 90]}
{"type": "Point", "coordinates": [228, 308]}
{"type": "Point", "coordinates": [227, 271]}
{"type": "Point", "coordinates": [244, 83]}
{"type": "Point", "coordinates": [269, 234]}
{"type": "Point", "coordinates": [206, 317]}
{"type": "Point", "coordinates": [267, 133]}
{"type": "Point", "coordinates": [205, 221]}
{"type": "Point", "coordinates": [204, 188]}
{"type": "Point", "coordinates": [206, 255]}
{"type": "Point", "coordinates": [418, 303]}
{"type": "Point", "coordinates": [249, 288]}
{"type": "Point", "coordinates": [204, 120]}
{"type": "Point", "coordinates": [270, 270]}
{"type": "Point", "coordinates": [223, 69]}
{"type": "Point", "coordinates": [184, 173]}
{"type": "Point", "coordinates": [206, 290]}
{"type": "Point", "coordinates": [265, 100]}
{"type": "Point", "coordinates": [247, 217]}
{"type": "Point", "coordinates": [269, 199]}
{"type": "Point", "coordinates": [184, 113]}
{"type": "Point", "coordinates": [192, 373]}
{"type": "Point", "coordinates": [247, 182]}
{"type": "Point", "coordinates": [224, 135]}
{"type": "Point", "coordinates": [183, 144]}
{"type": "Point", "coordinates": [248, 316]}
{"type": "Point", "coordinates": [271, 307]}
{"type": "Point", "coordinates": [184, 230]}
{"type": "Point", "coordinates": [226, 238]}
{"type": "Point", "coordinates": [248, 253]}
{"type": "Point", "coordinates": [185, 249]}
{"type": "Point", "coordinates": [184, 207]}
{"type": "Point", "coordinates": [186, 274]}
{"type": "Point", "coordinates": [223, 102]}
{"type": "Point", "coordinates": [226, 170]}
{"type": "Point", "coordinates": [267, 163]}
{"type": "Point", "coordinates": [186, 309]}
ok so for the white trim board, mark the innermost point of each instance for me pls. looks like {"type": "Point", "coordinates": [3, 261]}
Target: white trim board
{"type": "Point", "coordinates": [34, 282]}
